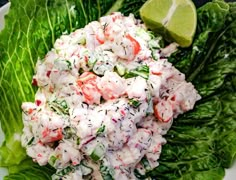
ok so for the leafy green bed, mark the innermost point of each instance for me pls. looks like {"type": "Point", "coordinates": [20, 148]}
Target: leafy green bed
{"type": "Point", "coordinates": [201, 143]}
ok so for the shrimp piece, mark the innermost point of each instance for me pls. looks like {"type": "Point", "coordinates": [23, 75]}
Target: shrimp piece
{"type": "Point", "coordinates": [163, 111]}
{"type": "Point", "coordinates": [50, 58]}
{"type": "Point", "coordinates": [135, 149]}
{"type": "Point", "coordinates": [66, 47]}
{"type": "Point", "coordinates": [41, 78]}
{"type": "Point", "coordinates": [183, 98]}
{"type": "Point", "coordinates": [40, 98]}
{"type": "Point", "coordinates": [112, 25]}
{"type": "Point", "coordinates": [136, 88]}
{"type": "Point", "coordinates": [111, 85]}
{"type": "Point", "coordinates": [168, 50]}
{"type": "Point", "coordinates": [88, 84]}
{"type": "Point", "coordinates": [49, 127]}
{"type": "Point", "coordinates": [40, 153]}
{"type": "Point", "coordinates": [51, 135]}
{"type": "Point", "coordinates": [65, 153]}
{"type": "Point", "coordinates": [29, 108]}
{"type": "Point", "coordinates": [154, 150]}
{"type": "Point", "coordinates": [126, 47]}
{"type": "Point", "coordinates": [94, 35]}
{"type": "Point", "coordinates": [78, 37]}
{"type": "Point", "coordinates": [154, 84]}
{"type": "Point", "coordinates": [105, 61]}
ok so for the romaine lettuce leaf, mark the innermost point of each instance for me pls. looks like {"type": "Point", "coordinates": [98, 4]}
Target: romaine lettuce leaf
{"type": "Point", "coordinates": [29, 170]}
{"type": "Point", "coordinates": [201, 143]}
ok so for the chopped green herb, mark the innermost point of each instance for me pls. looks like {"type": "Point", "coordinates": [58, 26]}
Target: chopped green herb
{"type": "Point", "coordinates": [134, 102]}
{"type": "Point", "coordinates": [62, 173]}
{"type": "Point", "coordinates": [106, 172]}
{"type": "Point", "coordinates": [69, 64]}
{"type": "Point", "coordinates": [67, 132]}
{"type": "Point", "coordinates": [30, 141]}
{"type": "Point", "coordinates": [120, 69]}
{"type": "Point", "coordinates": [142, 71]}
{"type": "Point", "coordinates": [78, 141]}
{"type": "Point", "coordinates": [52, 160]}
{"type": "Point", "coordinates": [59, 106]}
{"type": "Point", "coordinates": [145, 164]}
{"type": "Point", "coordinates": [86, 170]}
{"type": "Point", "coordinates": [98, 152]}
{"type": "Point", "coordinates": [101, 130]}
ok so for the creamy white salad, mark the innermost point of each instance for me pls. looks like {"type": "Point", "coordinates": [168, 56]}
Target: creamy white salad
{"type": "Point", "coordinates": [106, 96]}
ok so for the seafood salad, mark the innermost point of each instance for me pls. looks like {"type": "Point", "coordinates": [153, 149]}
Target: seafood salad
{"type": "Point", "coordinates": [106, 96]}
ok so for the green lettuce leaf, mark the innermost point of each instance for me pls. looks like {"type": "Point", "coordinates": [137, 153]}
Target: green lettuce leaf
{"type": "Point", "coordinates": [29, 170]}
{"type": "Point", "coordinates": [201, 143]}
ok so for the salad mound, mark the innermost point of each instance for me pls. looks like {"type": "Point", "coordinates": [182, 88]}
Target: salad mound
{"type": "Point", "coordinates": [106, 97]}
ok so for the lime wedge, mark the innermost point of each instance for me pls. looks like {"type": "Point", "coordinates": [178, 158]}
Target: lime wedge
{"type": "Point", "coordinates": [176, 20]}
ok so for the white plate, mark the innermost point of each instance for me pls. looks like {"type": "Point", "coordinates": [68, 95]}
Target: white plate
{"type": "Point", "coordinates": [230, 173]}
{"type": "Point", "coordinates": [3, 11]}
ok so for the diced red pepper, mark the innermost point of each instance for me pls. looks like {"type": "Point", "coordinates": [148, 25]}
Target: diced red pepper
{"type": "Point", "coordinates": [86, 77]}
{"type": "Point", "coordinates": [38, 102]}
{"type": "Point", "coordinates": [48, 73]}
{"type": "Point", "coordinates": [88, 84]}
{"type": "Point", "coordinates": [34, 82]}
